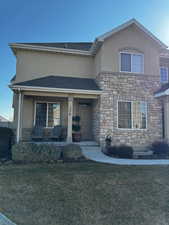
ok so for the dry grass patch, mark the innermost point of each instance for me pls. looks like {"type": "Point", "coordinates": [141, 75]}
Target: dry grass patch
{"type": "Point", "coordinates": [85, 194]}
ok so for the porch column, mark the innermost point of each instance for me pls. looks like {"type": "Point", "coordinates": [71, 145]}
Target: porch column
{"type": "Point", "coordinates": [20, 101]}
{"type": "Point", "coordinates": [166, 120]}
{"type": "Point", "coordinates": [70, 114]}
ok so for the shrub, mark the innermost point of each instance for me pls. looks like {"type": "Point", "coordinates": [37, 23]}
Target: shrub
{"type": "Point", "coordinates": [112, 151]}
{"type": "Point", "coordinates": [122, 151]}
{"type": "Point", "coordinates": [5, 131]}
{"type": "Point", "coordinates": [6, 139]}
{"type": "Point", "coordinates": [72, 152]}
{"type": "Point", "coordinates": [31, 152]}
{"type": "Point", "coordinates": [160, 147]}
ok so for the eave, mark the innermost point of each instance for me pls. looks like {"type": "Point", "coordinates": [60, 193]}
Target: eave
{"type": "Point", "coordinates": [15, 46]}
{"type": "Point", "coordinates": [58, 90]}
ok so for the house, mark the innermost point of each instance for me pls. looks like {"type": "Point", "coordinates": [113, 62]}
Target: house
{"type": "Point", "coordinates": [4, 122]}
{"type": "Point", "coordinates": [118, 85]}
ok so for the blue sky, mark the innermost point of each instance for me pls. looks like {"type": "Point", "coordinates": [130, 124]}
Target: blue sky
{"type": "Point", "coordinates": [68, 20]}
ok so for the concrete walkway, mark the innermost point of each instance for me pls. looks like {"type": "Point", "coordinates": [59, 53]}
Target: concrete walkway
{"type": "Point", "coordinates": [94, 153]}
{"type": "Point", "coordinates": [5, 221]}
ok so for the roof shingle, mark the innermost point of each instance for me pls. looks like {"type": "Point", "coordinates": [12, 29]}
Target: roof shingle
{"type": "Point", "coordinates": [62, 82]}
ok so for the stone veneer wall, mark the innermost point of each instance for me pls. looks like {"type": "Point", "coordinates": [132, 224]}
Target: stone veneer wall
{"type": "Point", "coordinates": [96, 119]}
{"type": "Point", "coordinates": [130, 87]}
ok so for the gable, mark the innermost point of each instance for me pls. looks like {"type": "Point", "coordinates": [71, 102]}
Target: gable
{"type": "Point", "coordinates": [139, 26]}
{"type": "Point", "coordinates": [130, 39]}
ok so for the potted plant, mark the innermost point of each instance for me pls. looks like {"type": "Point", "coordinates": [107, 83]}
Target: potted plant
{"type": "Point", "coordinates": [76, 135]}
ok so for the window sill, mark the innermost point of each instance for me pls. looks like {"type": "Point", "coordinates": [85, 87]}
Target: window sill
{"type": "Point", "coordinates": [131, 73]}
{"type": "Point", "coordinates": [131, 129]}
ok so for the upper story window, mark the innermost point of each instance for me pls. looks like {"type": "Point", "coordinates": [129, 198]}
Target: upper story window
{"type": "Point", "coordinates": [163, 74]}
{"type": "Point", "coordinates": [131, 62]}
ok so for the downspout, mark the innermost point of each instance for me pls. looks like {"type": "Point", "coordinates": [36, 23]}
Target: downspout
{"type": "Point", "coordinates": [19, 117]}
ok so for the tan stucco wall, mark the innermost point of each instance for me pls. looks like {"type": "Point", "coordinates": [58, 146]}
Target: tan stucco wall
{"type": "Point", "coordinates": [36, 64]}
{"type": "Point", "coordinates": [28, 109]}
{"type": "Point", "coordinates": [98, 61]}
{"type": "Point", "coordinates": [130, 38]}
{"type": "Point", "coordinates": [27, 112]}
{"type": "Point", "coordinates": [29, 104]}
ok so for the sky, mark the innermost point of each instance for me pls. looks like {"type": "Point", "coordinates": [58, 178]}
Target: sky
{"type": "Point", "coordinates": [68, 20]}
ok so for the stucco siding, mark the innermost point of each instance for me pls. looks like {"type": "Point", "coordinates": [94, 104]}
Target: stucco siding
{"type": "Point", "coordinates": [132, 39]}
{"type": "Point", "coordinates": [27, 112]}
{"type": "Point", "coordinates": [98, 62]}
{"type": "Point", "coordinates": [34, 64]}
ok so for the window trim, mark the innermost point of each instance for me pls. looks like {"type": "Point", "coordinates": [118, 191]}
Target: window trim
{"type": "Point", "coordinates": [167, 75]}
{"type": "Point", "coordinates": [34, 119]}
{"type": "Point", "coordinates": [131, 129]}
{"type": "Point", "coordinates": [131, 53]}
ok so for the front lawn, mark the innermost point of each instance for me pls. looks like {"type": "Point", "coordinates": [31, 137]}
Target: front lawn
{"type": "Point", "coordinates": [85, 194]}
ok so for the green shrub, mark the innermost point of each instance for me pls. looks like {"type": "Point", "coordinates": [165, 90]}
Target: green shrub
{"type": "Point", "coordinates": [6, 139]}
{"type": "Point", "coordinates": [72, 152]}
{"type": "Point", "coordinates": [31, 152]}
{"type": "Point", "coordinates": [121, 151]}
{"type": "Point", "coordinates": [112, 150]}
{"type": "Point", "coordinates": [124, 151]}
{"type": "Point", "coordinates": [160, 148]}
{"type": "Point", "coordinates": [5, 131]}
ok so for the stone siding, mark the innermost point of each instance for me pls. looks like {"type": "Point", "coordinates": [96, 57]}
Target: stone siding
{"type": "Point", "coordinates": [129, 87]}
{"type": "Point", "coordinates": [96, 119]}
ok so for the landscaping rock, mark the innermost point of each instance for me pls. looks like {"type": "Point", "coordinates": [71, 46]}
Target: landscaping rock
{"type": "Point", "coordinates": [31, 152]}
{"type": "Point", "coordinates": [72, 152]}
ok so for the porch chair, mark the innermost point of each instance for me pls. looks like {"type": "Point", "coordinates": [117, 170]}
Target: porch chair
{"type": "Point", "coordinates": [37, 133]}
{"type": "Point", "coordinates": [56, 132]}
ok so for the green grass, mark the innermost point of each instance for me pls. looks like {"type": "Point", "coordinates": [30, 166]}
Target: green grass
{"type": "Point", "coordinates": [85, 194]}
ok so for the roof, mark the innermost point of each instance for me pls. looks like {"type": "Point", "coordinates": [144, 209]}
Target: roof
{"type": "Point", "coordinates": [2, 119]}
{"type": "Point", "coordinates": [61, 82]}
{"type": "Point", "coordinates": [13, 78]}
{"type": "Point", "coordinates": [84, 46]}
{"type": "Point", "coordinates": [163, 90]}
{"type": "Point", "coordinates": [127, 24]}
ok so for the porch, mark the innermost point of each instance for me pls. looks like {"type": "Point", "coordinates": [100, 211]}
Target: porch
{"type": "Point", "coordinates": [46, 111]}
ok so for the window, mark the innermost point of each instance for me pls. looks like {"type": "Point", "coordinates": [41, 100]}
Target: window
{"type": "Point", "coordinates": [163, 74]}
{"type": "Point", "coordinates": [132, 115]}
{"type": "Point", "coordinates": [47, 114]}
{"type": "Point", "coordinates": [131, 62]}
{"type": "Point", "coordinates": [124, 115]}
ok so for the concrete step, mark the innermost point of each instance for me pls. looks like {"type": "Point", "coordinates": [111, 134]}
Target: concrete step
{"type": "Point", "coordinates": [87, 143]}
{"type": "Point", "coordinates": [143, 153]}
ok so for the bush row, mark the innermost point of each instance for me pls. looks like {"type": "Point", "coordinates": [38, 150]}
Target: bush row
{"type": "Point", "coordinates": [123, 151]}
{"type": "Point", "coordinates": [31, 152]}
{"type": "Point", "coordinates": [6, 140]}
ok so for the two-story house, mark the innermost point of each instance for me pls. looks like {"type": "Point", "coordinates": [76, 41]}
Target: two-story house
{"type": "Point", "coordinates": [118, 85]}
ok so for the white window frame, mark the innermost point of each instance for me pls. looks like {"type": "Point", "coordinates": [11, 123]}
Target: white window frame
{"type": "Point", "coordinates": [160, 74]}
{"type": "Point", "coordinates": [143, 129]}
{"type": "Point", "coordinates": [131, 53]}
{"type": "Point", "coordinates": [36, 102]}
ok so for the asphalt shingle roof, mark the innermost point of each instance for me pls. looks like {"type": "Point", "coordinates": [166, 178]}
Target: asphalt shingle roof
{"type": "Point", "coordinates": [85, 46]}
{"type": "Point", "coordinates": [163, 88]}
{"type": "Point", "coordinates": [62, 82]}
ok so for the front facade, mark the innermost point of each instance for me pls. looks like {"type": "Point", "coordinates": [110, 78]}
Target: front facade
{"type": "Point", "coordinates": [117, 85]}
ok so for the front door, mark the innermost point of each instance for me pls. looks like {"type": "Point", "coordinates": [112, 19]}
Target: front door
{"type": "Point", "coordinates": [85, 114]}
